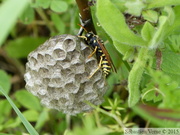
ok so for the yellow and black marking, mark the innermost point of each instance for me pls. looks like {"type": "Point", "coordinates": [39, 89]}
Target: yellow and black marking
{"type": "Point", "coordinates": [102, 55]}
{"type": "Point", "coordinates": [105, 66]}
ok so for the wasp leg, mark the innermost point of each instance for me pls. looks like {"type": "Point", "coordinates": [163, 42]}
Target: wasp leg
{"type": "Point", "coordinates": [83, 37]}
{"type": "Point", "coordinates": [81, 30]}
{"type": "Point", "coordinates": [99, 66]}
{"type": "Point", "coordinates": [83, 24]}
{"type": "Point", "coordinates": [93, 52]}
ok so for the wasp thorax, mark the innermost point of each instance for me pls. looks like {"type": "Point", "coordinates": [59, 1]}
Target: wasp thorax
{"type": "Point", "coordinates": [57, 72]}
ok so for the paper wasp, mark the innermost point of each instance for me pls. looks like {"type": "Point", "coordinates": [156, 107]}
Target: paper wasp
{"type": "Point", "coordinates": [102, 54]}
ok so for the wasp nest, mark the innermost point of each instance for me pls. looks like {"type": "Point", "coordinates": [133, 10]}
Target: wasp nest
{"type": "Point", "coordinates": [57, 72]}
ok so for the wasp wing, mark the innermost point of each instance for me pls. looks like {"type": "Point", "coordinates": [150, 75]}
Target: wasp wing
{"type": "Point", "coordinates": [101, 44]}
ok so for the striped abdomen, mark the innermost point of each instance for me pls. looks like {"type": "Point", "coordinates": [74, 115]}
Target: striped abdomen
{"type": "Point", "coordinates": [105, 65]}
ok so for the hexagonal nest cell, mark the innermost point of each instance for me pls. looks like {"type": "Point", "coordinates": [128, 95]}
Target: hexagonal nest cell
{"type": "Point", "coordinates": [57, 72]}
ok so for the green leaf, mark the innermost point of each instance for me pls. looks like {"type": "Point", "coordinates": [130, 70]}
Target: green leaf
{"type": "Point", "coordinates": [27, 100]}
{"type": "Point", "coordinates": [176, 25]}
{"type": "Point", "coordinates": [150, 15]}
{"type": "Point", "coordinates": [43, 3]}
{"type": "Point", "coordinates": [165, 22]}
{"type": "Point", "coordinates": [43, 117]}
{"type": "Point", "coordinates": [135, 76]}
{"type": "Point", "coordinates": [28, 126]}
{"type": "Point", "coordinates": [58, 6]}
{"type": "Point", "coordinates": [21, 47]}
{"type": "Point", "coordinates": [58, 22]}
{"type": "Point", "coordinates": [135, 7]}
{"type": "Point", "coordinates": [120, 4]}
{"type": "Point", "coordinates": [5, 107]}
{"type": "Point", "coordinates": [4, 111]}
{"type": "Point", "coordinates": [122, 48]}
{"type": "Point", "coordinates": [12, 123]}
{"type": "Point", "coordinates": [8, 16]}
{"type": "Point", "coordinates": [171, 65]}
{"type": "Point", "coordinates": [62, 126]}
{"type": "Point", "coordinates": [173, 43]}
{"type": "Point", "coordinates": [151, 93]}
{"type": "Point", "coordinates": [147, 31]}
{"type": "Point", "coordinates": [165, 118]}
{"type": "Point", "coordinates": [159, 34]}
{"type": "Point", "coordinates": [114, 24]}
{"type": "Point", "coordinates": [171, 100]}
{"type": "Point", "coordinates": [5, 82]}
{"type": "Point", "coordinates": [28, 15]}
{"type": "Point", "coordinates": [167, 87]}
{"type": "Point", "coordinates": [162, 3]}
{"type": "Point", "coordinates": [170, 15]}
{"type": "Point", "coordinates": [126, 50]}
{"type": "Point", "coordinates": [31, 115]}
{"type": "Point", "coordinates": [89, 126]}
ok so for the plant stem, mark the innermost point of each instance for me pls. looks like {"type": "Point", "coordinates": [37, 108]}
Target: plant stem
{"type": "Point", "coordinates": [115, 117]}
{"type": "Point", "coordinates": [97, 119]}
{"type": "Point", "coordinates": [68, 121]}
{"type": "Point", "coordinates": [85, 13]}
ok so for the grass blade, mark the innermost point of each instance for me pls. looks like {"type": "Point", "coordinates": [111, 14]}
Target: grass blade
{"type": "Point", "coordinates": [9, 12]}
{"type": "Point", "coordinates": [28, 126]}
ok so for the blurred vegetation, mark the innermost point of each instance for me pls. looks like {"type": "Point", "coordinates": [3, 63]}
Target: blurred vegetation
{"type": "Point", "coordinates": [143, 39]}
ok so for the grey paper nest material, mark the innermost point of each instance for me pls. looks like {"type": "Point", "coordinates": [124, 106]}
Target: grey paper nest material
{"type": "Point", "coordinates": [57, 72]}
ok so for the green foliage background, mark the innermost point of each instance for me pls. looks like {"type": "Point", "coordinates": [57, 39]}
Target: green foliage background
{"type": "Point", "coordinates": [143, 38]}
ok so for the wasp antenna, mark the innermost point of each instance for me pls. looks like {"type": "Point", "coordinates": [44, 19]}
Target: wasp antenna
{"type": "Point", "coordinates": [82, 27]}
{"type": "Point", "coordinates": [81, 30]}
